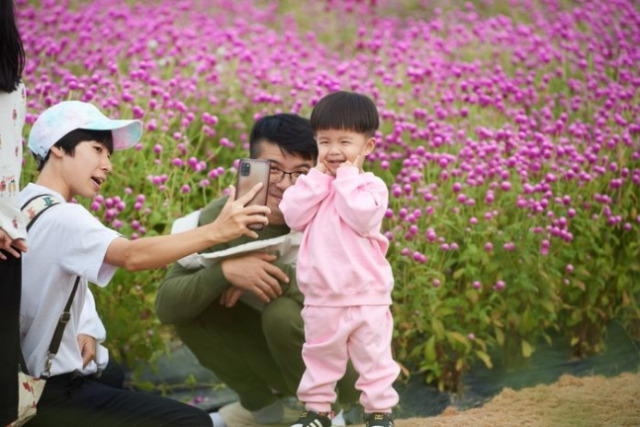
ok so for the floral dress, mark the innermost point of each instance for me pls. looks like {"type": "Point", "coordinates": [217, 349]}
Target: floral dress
{"type": "Point", "coordinates": [12, 116]}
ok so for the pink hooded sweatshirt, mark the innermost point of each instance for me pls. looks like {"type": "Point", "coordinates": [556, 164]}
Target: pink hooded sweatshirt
{"type": "Point", "coordinates": [342, 254]}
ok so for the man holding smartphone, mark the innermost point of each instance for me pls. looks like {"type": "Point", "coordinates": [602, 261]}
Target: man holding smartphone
{"type": "Point", "coordinates": [254, 348]}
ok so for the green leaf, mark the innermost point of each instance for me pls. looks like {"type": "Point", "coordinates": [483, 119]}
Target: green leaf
{"type": "Point", "coordinates": [457, 336]}
{"type": "Point", "coordinates": [430, 349]}
{"type": "Point", "coordinates": [438, 327]}
{"type": "Point", "coordinates": [499, 336]}
{"type": "Point", "coordinates": [458, 273]}
{"type": "Point", "coordinates": [527, 349]}
{"type": "Point", "coordinates": [485, 358]}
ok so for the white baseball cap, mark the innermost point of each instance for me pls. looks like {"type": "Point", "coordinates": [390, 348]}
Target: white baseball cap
{"type": "Point", "coordinates": [60, 119]}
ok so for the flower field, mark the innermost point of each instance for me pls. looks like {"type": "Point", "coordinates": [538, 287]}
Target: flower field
{"type": "Point", "coordinates": [510, 141]}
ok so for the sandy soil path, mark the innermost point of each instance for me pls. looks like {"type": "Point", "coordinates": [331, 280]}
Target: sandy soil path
{"type": "Point", "coordinates": [571, 401]}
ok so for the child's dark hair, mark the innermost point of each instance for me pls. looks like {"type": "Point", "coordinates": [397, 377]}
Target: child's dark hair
{"type": "Point", "coordinates": [11, 50]}
{"type": "Point", "coordinates": [346, 110]}
{"type": "Point", "coordinates": [69, 142]}
{"type": "Point", "coordinates": [291, 133]}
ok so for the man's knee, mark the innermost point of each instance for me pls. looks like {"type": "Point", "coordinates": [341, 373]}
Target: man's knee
{"type": "Point", "coordinates": [281, 321]}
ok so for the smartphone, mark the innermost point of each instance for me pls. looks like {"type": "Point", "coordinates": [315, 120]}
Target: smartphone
{"type": "Point", "coordinates": [251, 172]}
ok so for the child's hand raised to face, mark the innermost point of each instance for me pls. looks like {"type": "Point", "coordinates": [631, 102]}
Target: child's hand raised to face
{"type": "Point", "coordinates": [356, 162]}
{"type": "Point", "coordinates": [321, 167]}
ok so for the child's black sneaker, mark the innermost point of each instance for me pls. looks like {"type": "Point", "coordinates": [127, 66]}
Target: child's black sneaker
{"type": "Point", "coordinates": [312, 419]}
{"type": "Point", "coordinates": [379, 419]}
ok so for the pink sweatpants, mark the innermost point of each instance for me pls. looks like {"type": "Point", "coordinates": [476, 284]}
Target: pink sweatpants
{"type": "Point", "coordinates": [333, 335]}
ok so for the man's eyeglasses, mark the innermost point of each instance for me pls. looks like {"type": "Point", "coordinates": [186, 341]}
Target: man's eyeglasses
{"type": "Point", "coordinates": [276, 175]}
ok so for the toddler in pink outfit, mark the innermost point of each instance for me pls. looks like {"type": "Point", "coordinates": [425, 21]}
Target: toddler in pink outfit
{"type": "Point", "coordinates": [342, 269]}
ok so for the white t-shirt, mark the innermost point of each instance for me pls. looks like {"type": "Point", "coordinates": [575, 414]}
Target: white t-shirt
{"type": "Point", "coordinates": [12, 114]}
{"type": "Point", "coordinates": [65, 241]}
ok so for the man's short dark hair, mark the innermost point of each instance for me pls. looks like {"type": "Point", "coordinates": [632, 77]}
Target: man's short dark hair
{"type": "Point", "coordinates": [290, 132]}
{"type": "Point", "coordinates": [69, 142]}
{"type": "Point", "coordinates": [345, 110]}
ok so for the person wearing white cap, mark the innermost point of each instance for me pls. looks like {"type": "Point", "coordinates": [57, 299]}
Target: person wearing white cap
{"type": "Point", "coordinates": [73, 142]}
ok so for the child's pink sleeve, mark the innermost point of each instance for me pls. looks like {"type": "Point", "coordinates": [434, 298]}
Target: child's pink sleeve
{"type": "Point", "coordinates": [361, 200]}
{"type": "Point", "coordinates": [301, 201]}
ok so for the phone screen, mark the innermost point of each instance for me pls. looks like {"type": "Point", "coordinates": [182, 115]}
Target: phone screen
{"type": "Point", "coordinates": [251, 172]}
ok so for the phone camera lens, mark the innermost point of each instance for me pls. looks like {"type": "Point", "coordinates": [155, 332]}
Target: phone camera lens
{"type": "Point", "coordinates": [246, 168]}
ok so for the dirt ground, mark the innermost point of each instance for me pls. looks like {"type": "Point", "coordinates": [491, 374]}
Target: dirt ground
{"type": "Point", "coordinates": [571, 401]}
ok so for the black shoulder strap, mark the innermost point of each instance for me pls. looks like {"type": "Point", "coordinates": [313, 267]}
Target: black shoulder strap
{"type": "Point", "coordinates": [32, 209]}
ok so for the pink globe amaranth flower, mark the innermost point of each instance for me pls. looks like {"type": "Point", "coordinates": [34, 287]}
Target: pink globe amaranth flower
{"type": "Point", "coordinates": [488, 246]}
{"type": "Point", "coordinates": [431, 235]}
{"type": "Point", "coordinates": [569, 268]}
{"type": "Point", "coordinates": [473, 220]}
{"type": "Point", "coordinates": [500, 285]}
{"type": "Point", "coordinates": [95, 206]}
{"type": "Point", "coordinates": [384, 164]}
{"type": "Point", "coordinates": [505, 186]}
{"type": "Point", "coordinates": [116, 224]}
{"type": "Point", "coordinates": [444, 247]}
{"type": "Point", "coordinates": [435, 283]}
{"type": "Point", "coordinates": [509, 246]}
{"type": "Point", "coordinates": [405, 251]}
{"type": "Point", "coordinates": [471, 336]}
{"type": "Point", "coordinates": [476, 284]}
{"type": "Point", "coordinates": [627, 226]}
{"type": "Point", "coordinates": [185, 188]}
